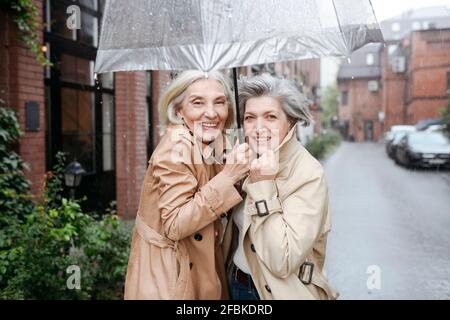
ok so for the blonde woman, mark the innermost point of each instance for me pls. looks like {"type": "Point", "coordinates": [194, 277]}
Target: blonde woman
{"type": "Point", "coordinates": [276, 239]}
{"type": "Point", "coordinates": [175, 252]}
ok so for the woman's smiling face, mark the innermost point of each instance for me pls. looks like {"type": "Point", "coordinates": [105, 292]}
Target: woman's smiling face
{"type": "Point", "coordinates": [265, 123]}
{"type": "Point", "coordinates": [205, 109]}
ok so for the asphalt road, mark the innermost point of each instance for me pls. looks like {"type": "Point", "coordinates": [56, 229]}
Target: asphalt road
{"type": "Point", "coordinates": [390, 235]}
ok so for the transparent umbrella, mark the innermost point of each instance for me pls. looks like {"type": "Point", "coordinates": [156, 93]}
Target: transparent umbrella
{"type": "Point", "coordinates": [208, 35]}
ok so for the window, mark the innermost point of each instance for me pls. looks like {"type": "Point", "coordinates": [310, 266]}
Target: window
{"type": "Point", "coordinates": [92, 4]}
{"type": "Point", "coordinates": [89, 30]}
{"type": "Point", "coordinates": [57, 16]}
{"type": "Point", "coordinates": [395, 27]}
{"type": "Point", "coordinates": [107, 80]}
{"type": "Point", "coordinates": [80, 112]}
{"type": "Point", "coordinates": [344, 97]}
{"type": "Point", "coordinates": [369, 59]}
{"type": "Point", "coordinates": [77, 122]}
{"type": "Point", "coordinates": [77, 70]}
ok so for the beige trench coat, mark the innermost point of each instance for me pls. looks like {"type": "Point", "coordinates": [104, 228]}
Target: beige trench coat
{"type": "Point", "coordinates": [175, 251]}
{"type": "Point", "coordinates": [294, 231]}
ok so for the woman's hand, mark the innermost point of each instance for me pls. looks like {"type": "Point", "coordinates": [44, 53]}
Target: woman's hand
{"type": "Point", "coordinates": [265, 167]}
{"type": "Point", "coordinates": [237, 163]}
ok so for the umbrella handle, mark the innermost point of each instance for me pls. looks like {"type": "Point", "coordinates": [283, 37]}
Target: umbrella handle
{"type": "Point", "coordinates": [236, 100]}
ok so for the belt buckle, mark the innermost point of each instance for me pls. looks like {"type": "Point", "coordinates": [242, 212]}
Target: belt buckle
{"type": "Point", "coordinates": [262, 213]}
{"type": "Point", "coordinates": [309, 268]}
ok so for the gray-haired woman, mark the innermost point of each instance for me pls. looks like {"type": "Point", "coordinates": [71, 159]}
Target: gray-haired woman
{"type": "Point", "coordinates": [275, 240]}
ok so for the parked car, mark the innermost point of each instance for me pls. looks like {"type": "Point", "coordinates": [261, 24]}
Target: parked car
{"type": "Point", "coordinates": [436, 128]}
{"type": "Point", "coordinates": [424, 124]}
{"type": "Point", "coordinates": [423, 149]}
{"type": "Point", "coordinates": [392, 144]}
{"type": "Point", "coordinates": [394, 135]}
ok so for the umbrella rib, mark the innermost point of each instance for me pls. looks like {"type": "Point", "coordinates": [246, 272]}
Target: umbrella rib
{"type": "Point", "coordinates": [340, 28]}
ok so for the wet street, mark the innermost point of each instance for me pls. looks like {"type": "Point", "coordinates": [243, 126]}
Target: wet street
{"type": "Point", "coordinates": [391, 227]}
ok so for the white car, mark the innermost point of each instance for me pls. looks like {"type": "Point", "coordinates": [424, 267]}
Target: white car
{"type": "Point", "coordinates": [398, 128]}
{"type": "Point", "coordinates": [435, 128]}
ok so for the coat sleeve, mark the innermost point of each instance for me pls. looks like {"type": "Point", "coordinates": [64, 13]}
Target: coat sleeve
{"type": "Point", "coordinates": [283, 238]}
{"type": "Point", "coordinates": [184, 207]}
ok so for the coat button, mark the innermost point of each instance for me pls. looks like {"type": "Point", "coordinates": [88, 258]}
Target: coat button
{"type": "Point", "coordinates": [198, 237]}
{"type": "Point", "coordinates": [190, 265]}
{"type": "Point", "coordinates": [267, 288]}
{"type": "Point", "coordinates": [252, 247]}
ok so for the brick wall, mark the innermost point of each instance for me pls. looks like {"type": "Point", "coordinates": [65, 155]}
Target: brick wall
{"type": "Point", "coordinates": [22, 80]}
{"type": "Point", "coordinates": [160, 80]}
{"type": "Point", "coordinates": [420, 109]}
{"type": "Point", "coordinates": [428, 68]}
{"type": "Point", "coordinates": [131, 147]}
{"type": "Point", "coordinates": [363, 105]}
{"type": "Point", "coordinates": [394, 95]}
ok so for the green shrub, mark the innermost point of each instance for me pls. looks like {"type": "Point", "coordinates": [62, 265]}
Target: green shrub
{"type": "Point", "coordinates": [15, 200]}
{"type": "Point", "coordinates": [445, 114]}
{"type": "Point", "coordinates": [320, 145]}
{"type": "Point", "coordinates": [39, 242]}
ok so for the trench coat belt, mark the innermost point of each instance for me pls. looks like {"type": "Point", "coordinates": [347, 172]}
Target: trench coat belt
{"type": "Point", "coordinates": [151, 236]}
{"type": "Point", "coordinates": [318, 280]}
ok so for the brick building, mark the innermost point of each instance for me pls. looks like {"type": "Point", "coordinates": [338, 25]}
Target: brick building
{"type": "Point", "coordinates": [413, 74]}
{"type": "Point", "coordinates": [360, 94]}
{"type": "Point", "coordinates": [109, 125]}
{"type": "Point", "coordinates": [428, 74]}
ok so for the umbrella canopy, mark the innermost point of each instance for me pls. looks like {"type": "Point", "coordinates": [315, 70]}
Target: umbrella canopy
{"type": "Point", "coordinates": [208, 35]}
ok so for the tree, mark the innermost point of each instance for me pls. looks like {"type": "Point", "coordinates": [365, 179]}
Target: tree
{"type": "Point", "coordinates": [330, 103]}
{"type": "Point", "coordinates": [445, 113]}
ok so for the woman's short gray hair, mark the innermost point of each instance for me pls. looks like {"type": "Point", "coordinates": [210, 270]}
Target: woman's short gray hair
{"type": "Point", "coordinates": [293, 102]}
{"type": "Point", "coordinates": [174, 95]}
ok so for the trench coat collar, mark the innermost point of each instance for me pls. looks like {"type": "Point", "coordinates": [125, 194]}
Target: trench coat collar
{"type": "Point", "coordinates": [288, 145]}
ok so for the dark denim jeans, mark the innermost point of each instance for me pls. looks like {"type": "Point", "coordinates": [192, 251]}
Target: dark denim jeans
{"type": "Point", "coordinates": [240, 291]}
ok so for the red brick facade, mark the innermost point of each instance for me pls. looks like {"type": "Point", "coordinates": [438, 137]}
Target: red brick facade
{"type": "Point", "coordinates": [429, 65]}
{"type": "Point", "coordinates": [393, 94]}
{"type": "Point", "coordinates": [131, 138]}
{"type": "Point", "coordinates": [361, 110]}
{"type": "Point", "coordinates": [22, 80]}
{"type": "Point", "coordinates": [405, 97]}
{"type": "Point", "coordinates": [131, 147]}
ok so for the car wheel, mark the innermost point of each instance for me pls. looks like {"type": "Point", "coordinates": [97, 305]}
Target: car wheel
{"type": "Point", "coordinates": [395, 157]}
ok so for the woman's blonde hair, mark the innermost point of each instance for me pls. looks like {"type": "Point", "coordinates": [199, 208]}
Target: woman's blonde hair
{"type": "Point", "coordinates": [174, 95]}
